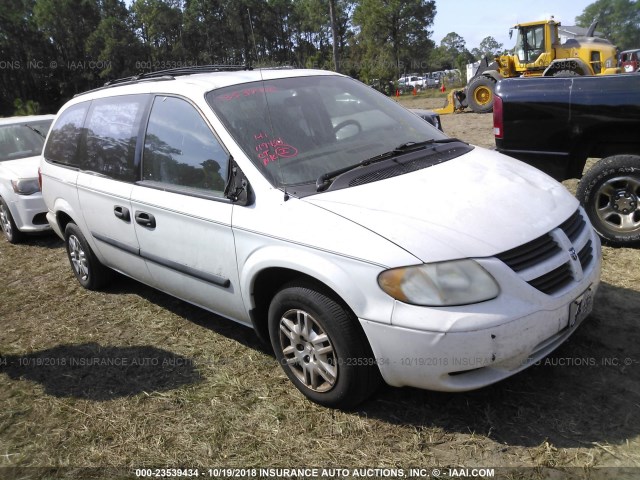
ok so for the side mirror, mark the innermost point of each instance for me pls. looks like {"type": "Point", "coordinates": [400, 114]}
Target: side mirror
{"type": "Point", "coordinates": [238, 189]}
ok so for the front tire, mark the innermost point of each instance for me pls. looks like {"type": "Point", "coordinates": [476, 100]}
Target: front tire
{"type": "Point", "coordinates": [8, 225]}
{"type": "Point", "coordinates": [610, 194]}
{"type": "Point", "coordinates": [321, 346]}
{"type": "Point", "coordinates": [481, 93]}
{"type": "Point", "coordinates": [91, 274]}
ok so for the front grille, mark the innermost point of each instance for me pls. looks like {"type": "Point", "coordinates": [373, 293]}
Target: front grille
{"type": "Point", "coordinates": [530, 254]}
{"type": "Point", "coordinates": [586, 255]}
{"type": "Point", "coordinates": [554, 280]}
{"type": "Point", "coordinates": [549, 258]}
{"type": "Point", "coordinates": [573, 226]}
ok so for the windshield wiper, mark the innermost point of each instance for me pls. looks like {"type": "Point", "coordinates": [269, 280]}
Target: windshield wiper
{"type": "Point", "coordinates": [324, 181]}
{"type": "Point", "coordinates": [35, 130]}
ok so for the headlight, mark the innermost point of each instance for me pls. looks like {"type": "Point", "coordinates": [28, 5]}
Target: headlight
{"type": "Point", "coordinates": [459, 282]}
{"type": "Point", "coordinates": [25, 186]}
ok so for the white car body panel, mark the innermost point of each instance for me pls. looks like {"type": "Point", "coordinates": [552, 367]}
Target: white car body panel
{"type": "Point", "coordinates": [194, 233]}
{"type": "Point", "coordinates": [418, 219]}
{"type": "Point", "coordinates": [23, 208]}
{"type": "Point", "coordinates": [98, 198]}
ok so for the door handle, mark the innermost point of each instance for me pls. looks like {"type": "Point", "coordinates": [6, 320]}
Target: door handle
{"type": "Point", "coordinates": [145, 219]}
{"type": "Point", "coordinates": [122, 213]}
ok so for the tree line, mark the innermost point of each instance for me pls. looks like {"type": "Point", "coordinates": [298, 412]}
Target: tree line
{"type": "Point", "coordinates": [51, 50]}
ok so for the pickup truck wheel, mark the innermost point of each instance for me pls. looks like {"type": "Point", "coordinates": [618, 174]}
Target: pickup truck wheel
{"type": "Point", "coordinates": [8, 225]}
{"type": "Point", "coordinates": [91, 274]}
{"type": "Point", "coordinates": [480, 94]}
{"type": "Point", "coordinates": [610, 194]}
{"type": "Point", "coordinates": [321, 346]}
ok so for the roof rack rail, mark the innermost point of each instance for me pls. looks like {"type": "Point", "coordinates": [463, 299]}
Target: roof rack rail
{"type": "Point", "coordinates": [169, 74]}
{"type": "Point", "coordinates": [175, 72]}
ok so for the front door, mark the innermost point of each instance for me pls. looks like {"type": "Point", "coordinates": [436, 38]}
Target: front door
{"type": "Point", "coordinates": [181, 217]}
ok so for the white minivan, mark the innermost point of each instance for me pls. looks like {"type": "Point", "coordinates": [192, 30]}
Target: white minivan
{"type": "Point", "coordinates": [358, 239]}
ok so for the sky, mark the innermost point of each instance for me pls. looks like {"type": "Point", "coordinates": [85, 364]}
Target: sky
{"type": "Point", "coordinates": [474, 20]}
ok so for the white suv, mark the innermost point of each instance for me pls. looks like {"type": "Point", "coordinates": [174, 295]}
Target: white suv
{"type": "Point", "coordinates": [360, 240]}
{"type": "Point", "coordinates": [21, 207]}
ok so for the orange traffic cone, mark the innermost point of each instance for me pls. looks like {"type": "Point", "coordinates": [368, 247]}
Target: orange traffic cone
{"type": "Point", "coordinates": [414, 92]}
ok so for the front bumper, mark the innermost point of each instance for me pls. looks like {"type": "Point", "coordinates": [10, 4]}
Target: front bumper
{"type": "Point", "coordinates": [470, 347]}
{"type": "Point", "coordinates": [29, 213]}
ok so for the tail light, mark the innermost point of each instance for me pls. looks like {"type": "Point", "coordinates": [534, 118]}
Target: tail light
{"type": "Point", "coordinates": [498, 123]}
{"type": "Point", "coordinates": [40, 178]}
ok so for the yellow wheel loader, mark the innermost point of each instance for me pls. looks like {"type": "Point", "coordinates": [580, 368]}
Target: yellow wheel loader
{"type": "Point", "coordinates": [538, 52]}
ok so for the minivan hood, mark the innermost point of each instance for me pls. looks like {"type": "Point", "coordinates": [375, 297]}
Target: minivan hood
{"type": "Point", "coordinates": [477, 205]}
{"type": "Point", "coordinates": [22, 167]}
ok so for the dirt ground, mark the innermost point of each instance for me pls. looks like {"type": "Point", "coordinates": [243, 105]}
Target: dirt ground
{"type": "Point", "coordinates": [130, 377]}
{"type": "Point", "coordinates": [468, 126]}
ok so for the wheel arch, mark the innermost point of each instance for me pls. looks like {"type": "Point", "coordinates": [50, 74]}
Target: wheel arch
{"type": "Point", "coordinates": [4, 190]}
{"type": "Point", "coordinates": [63, 219]}
{"type": "Point", "coordinates": [265, 286]}
{"type": "Point", "coordinates": [602, 142]}
{"type": "Point", "coordinates": [265, 272]}
{"type": "Point", "coordinates": [8, 196]}
{"type": "Point", "coordinates": [573, 64]}
{"type": "Point", "coordinates": [491, 74]}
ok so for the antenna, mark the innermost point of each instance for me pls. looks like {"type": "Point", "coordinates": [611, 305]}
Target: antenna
{"type": "Point", "coordinates": [266, 100]}
{"type": "Point", "coordinates": [253, 36]}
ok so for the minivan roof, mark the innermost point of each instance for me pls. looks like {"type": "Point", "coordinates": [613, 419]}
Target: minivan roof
{"type": "Point", "coordinates": [174, 81]}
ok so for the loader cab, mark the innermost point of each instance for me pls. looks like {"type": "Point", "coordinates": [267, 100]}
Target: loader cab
{"type": "Point", "coordinates": [534, 44]}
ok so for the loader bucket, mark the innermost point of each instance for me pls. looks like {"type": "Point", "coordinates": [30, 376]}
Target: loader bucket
{"type": "Point", "coordinates": [452, 104]}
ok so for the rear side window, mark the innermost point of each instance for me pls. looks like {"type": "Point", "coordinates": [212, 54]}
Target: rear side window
{"type": "Point", "coordinates": [181, 150]}
{"type": "Point", "coordinates": [62, 146]}
{"type": "Point", "coordinates": [112, 131]}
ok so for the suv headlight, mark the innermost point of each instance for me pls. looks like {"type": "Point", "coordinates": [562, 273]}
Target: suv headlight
{"type": "Point", "coordinates": [458, 282]}
{"type": "Point", "coordinates": [25, 186]}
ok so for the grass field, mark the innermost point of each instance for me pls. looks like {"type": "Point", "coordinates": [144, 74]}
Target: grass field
{"type": "Point", "coordinates": [130, 377]}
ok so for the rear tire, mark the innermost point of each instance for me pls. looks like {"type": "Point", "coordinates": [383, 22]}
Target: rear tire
{"type": "Point", "coordinates": [91, 274]}
{"type": "Point", "coordinates": [481, 93]}
{"type": "Point", "coordinates": [321, 346]}
{"type": "Point", "coordinates": [8, 225]}
{"type": "Point", "coordinates": [610, 194]}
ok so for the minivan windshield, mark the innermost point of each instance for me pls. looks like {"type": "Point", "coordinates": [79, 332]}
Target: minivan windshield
{"type": "Point", "coordinates": [297, 129]}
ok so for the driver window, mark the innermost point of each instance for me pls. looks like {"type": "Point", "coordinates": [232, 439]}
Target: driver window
{"type": "Point", "coordinates": [181, 150]}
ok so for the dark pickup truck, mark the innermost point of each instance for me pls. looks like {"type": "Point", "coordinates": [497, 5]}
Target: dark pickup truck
{"type": "Point", "coordinates": [556, 124]}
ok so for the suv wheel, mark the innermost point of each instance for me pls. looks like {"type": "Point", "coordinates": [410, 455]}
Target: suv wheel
{"type": "Point", "coordinates": [610, 194]}
{"type": "Point", "coordinates": [8, 225]}
{"type": "Point", "coordinates": [321, 347]}
{"type": "Point", "coordinates": [91, 274]}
